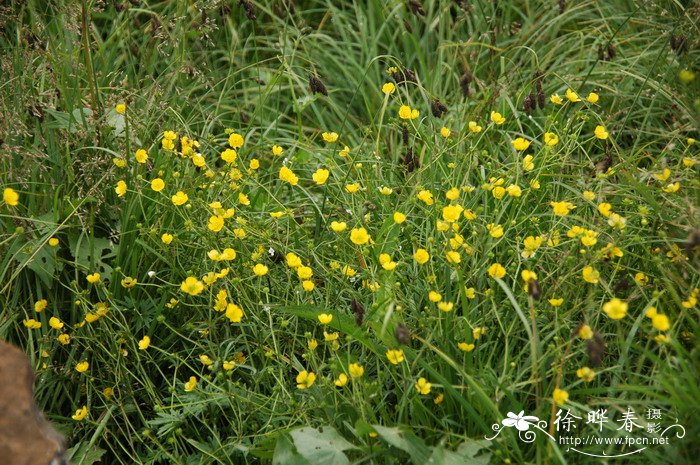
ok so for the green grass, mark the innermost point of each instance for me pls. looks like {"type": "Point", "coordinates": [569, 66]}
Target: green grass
{"type": "Point", "coordinates": [204, 70]}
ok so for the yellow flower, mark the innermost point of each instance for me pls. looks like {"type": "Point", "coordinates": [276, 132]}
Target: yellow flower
{"type": "Point", "coordinates": [180, 198]}
{"type": "Point", "coordinates": [192, 286]}
{"type": "Point", "coordinates": [572, 96]}
{"type": "Point", "coordinates": [445, 132]}
{"type": "Point", "coordinates": [359, 236]}
{"type": "Point", "coordinates": [551, 139]}
{"type": "Point", "coordinates": [478, 332]}
{"type": "Point", "coordinates": [453, 257]}
{"type": "Point", "coordinates": [673, 187]}
{"type": "Point", "coordinates": [560, 396]}
{"type": "Point", "coordinates": [11, 197]}
{"type": "Point", "coordinates": [389, 88]}
{"type": "Point", "coordinates": [421, 256]}
{"type": "Point", "coordinates": [615, 309]}
{"type": "Point", "coordinates": [312, 344]}
{"type": "Point", "coordinates": [129, 282]}
{"type": "Point", "coordinates": [434, 296]}
{"type": "Point", "coordinates": [451, 213]}
{"type": "Point", "coordinates": [452, 194]}
{"type": "Point", "coordinates": [63, 339]}
{"type": "Point", "coordinates": [308, 285]}
{"type": "Point", "coordinates": [497, 118]}
{"type": "Point", "coordinates": [356, 370]}
{"type": "Point", "coordinates": [216, 223]}
{"type": "Point", "coordinates": [234, 313]}
{"type": "Point", "coordinates": [465, 346]}
{"type": "Point", "coordinates": [605, 209]}
{"type": "Point", "coordinates": [93, 278]}
{"type": "Point", "coordinates": [344, 152]}
{"type": "Point", "coordinates": [157, 184]}
{"type": "Point", "coordinates": [423, 386]}
{"type": "Point", "coordinates": [342, 380]}
{"type": "Point", "coordinates": [352, 187]}
{"type": "Point", "coordinates": [660, 322]}
{"type": "Point", "coordinates": [520, 144]}
{"type": "Point", "coordinates": [144, 343]}
{"type": "Point", "coordinates": [473, 127]}
{"type": "Point", "coordinates": [330, 337]}
{"type": "Point", "coordinates": [277, 150]}
{"type": "Point", "coordinates": [497, 270]}
{"type": "Point", "coordinates": [528, 275]}
{"type": "Point", "coordinates": [260, 270]}
{"type": "Point", "coordinates": [585, 332]}
{"type": "Point", "coordinates": [495, 230]}
{"type": "Point", "coordinates": [121, 188]}
{"type": "Point", "coordinates": [80, 414]}
{"type": "Point", "coordinates": [166, 238]}
{"type": "Point", "coordinates": [235, 140]}
{"type": "Point", "coordinates": [82, 367]}
{"type": "Point", "coordinates": [339, 226]}
{"type": "Point", "coordinates": [686, 76]}
{"type": "Point", "coordinates": [528, 165]}
{"type": "Point", "coordinates": [426, 197]}
{"type": "Point", "coordinates": [320, 176]}
{"type": "Point", "coordinates": [588, 195]}
{"type": "Point", "coordinates": [556, 302]}
{"type": "Point", "coordinates": [514, 190]}
{"type": "Point", "coordinates": [325, 318]}
{"type": "Point", "coordinates": [395, 356]}
{"type": "Point", "coordinates": [305, 379]}
{"type": "Point", "coordinates": [406, 112]}
{"type": "Point", "coordinates": [330, 137]}
{"type": "Point", "coordinates": [590, 275]}
{"type": "Point", "coordinates": [531, 244]}
{"type": "Point", "coordinates": [53, 242]}
{"type": "Point", "coordinates": [141, 156]}
{"type": "Point", "coordinates": [399, 217]}
{"type": "Point", "coordinates": [32, 323]}
{"type": "Point", "coordinates": [600, 132]}
{"type": "Point", "coordinates": [229, 156]}
{"type": "Point", "coordinates": [121, 108]}
{"type": "Point", "coordinates": [385, 190]}
{"type": "Point", "coordinates": [562, 208]}
{"type": "Point", "coordinates": [40, 305]}
{"type": "Point", "coordinates": [191, 385]}
{"type": "Point", "coordinates": [288, 175]}
{"type": "Point", "coordinates": [586, 374]}
{"type": "Point", "coordinates": [445, 306]}
{"type": "Point", "coordinates": [592, 98]}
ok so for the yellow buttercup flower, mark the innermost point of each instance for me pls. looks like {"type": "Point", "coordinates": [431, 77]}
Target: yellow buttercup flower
{"type": "Point", "coordinates": [81, 413]}
{"type": "Point", "coordinates": [31, 323]}
{"type": "Point", "coordinates": [305, 379]}
{"type": "Point", "coordinates": [585, 332]}
{"type": "Point", "coordinates": [11, 197]}
{"type": "Point", "coordinates": [320, 176]}
{"type": "Point", "coordinates": [192, 286]}
{"type": "Point", "coordinates": [234, 313]}
{"type": "Point", "coordinates": [497, 118]}
{"type": "Point", "coordinates": [560, 396]}
{"type": "Point", "coordinates": [342, 380]}
{"type": "Point", "coordinates": [53, 242]}
{"type": "Point", "coordinates": [497, 270]}
{"type": "Point", "coordinates": [421, 256]}
{"type": "Point", "coordinates": [325, 318]}
{"type": "Point", "coordinates": [141, 156]}
{"type": "Point", "coordinates": [121, 188]}
{"type": "Point", "coordinates": [528, 165]}
{"type": "Point", "coordinates": [260, 270]}
{"type": "Point", "coordinates": [40, 305]}
{"type": "Point", "coordinates": [423, 386]}
{"type": "Point", "coordinates": [191, 384]}
{"type": "Point", "coordinates": [157, 184]}
{"type": "Point", "coordinates": [572, 96]}
{"type": "Point", "coordinates": [82, 367]}
{"type": "Point", "coordinates": [520, 144]}
{"type": "Point", "coordinates": [339, 226]}
{"type": "Point", "coordinates": [389, 88]}
{"type": "Point", "coordinates": [330, 137]}
{"type": "Point", "coordinates": [235, 140]}
{"type": "Point", "coordinates": [120, 108]}
{"type": "Point", "coordinates": [277, 150]}
{"type": "Point", "coordinates": [615, 309]}
{"type": "Point", "coordinates": [590, 275]}
{"type": "Point", "coordinates": [180, 198]}
{"type": "Point", "coordinates": [586, 374]}
{"type": "Point", "coordinates": [406, 112]}
{"type": "Point", "coordinates": [600, 132]}
{"type": "Point", "coordinates": [473, 127]}
{"type": "Point", "coordinates": [395, 356]}
{"type": "Point", "coordinates": [359, 236]}
{"type": "Point", "coordinates": [556, 99]}
{"type": "Point", "coordinates": [356, 370]}
{"type": "Point", "coordinates": [465, 346]}
{"type": "Point", "coordinates": [592, 98]}
{"type": "Point", "coordinates": [551, 139]}
{"type": "Point", "coordinates": [562, 208]}
{"type": "Point", "coordinates": [445, 132]}
{"type": "Point", "coordinates": [426, 197]}
{"type": "Point", "coordinates": [144, 343]}
{"type": "Point", "coordinates": [166, 238]}
{"type": "Point", "coordinates": [288, 175]}
{"type": "Point", "coordinates": [93, 278]}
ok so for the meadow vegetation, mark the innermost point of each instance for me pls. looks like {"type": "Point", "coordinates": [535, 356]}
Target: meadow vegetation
{"type": "Point", "coordinates": [319, 232]}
